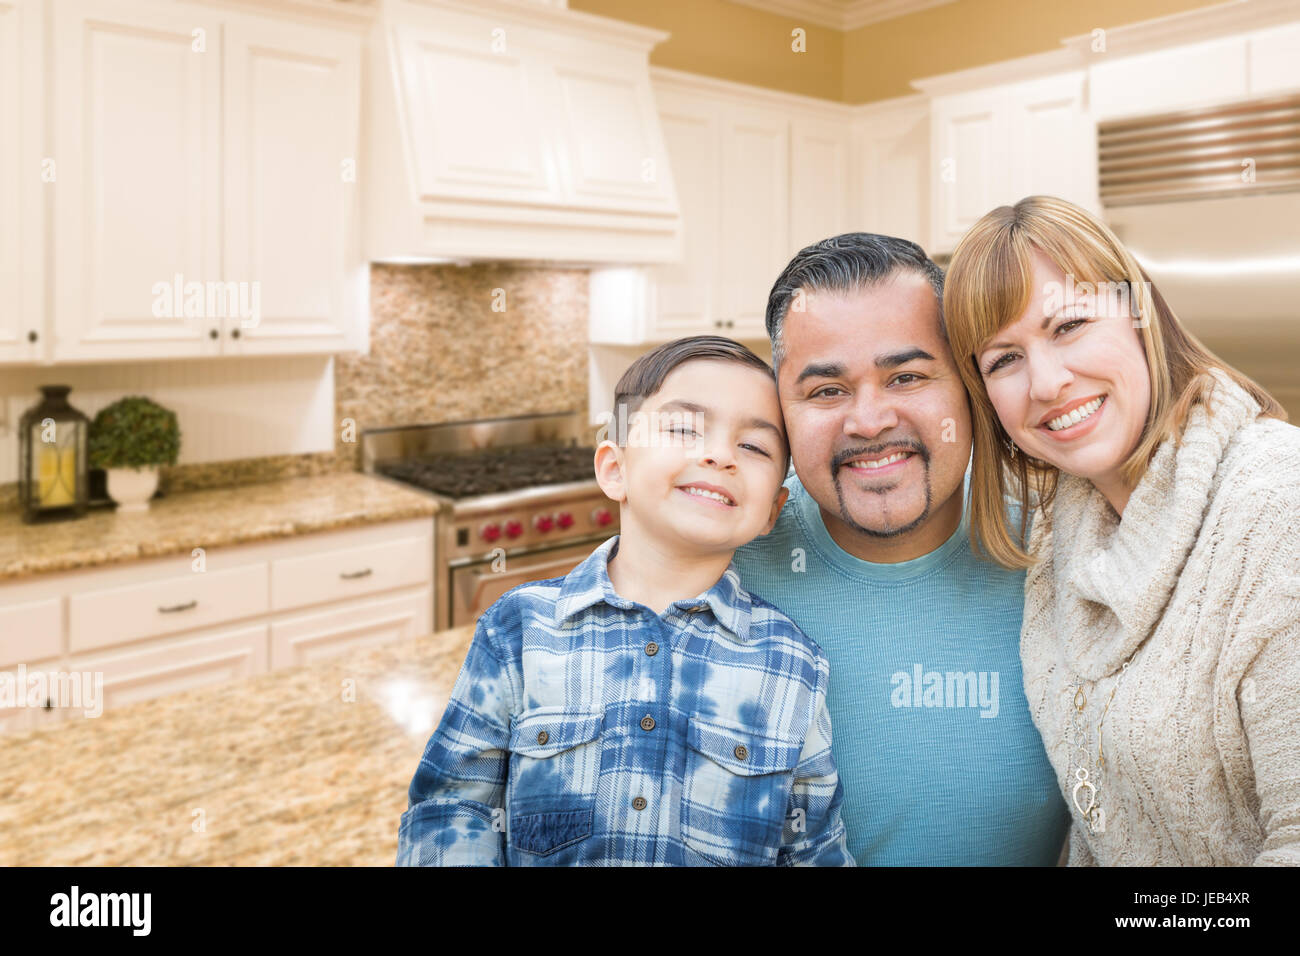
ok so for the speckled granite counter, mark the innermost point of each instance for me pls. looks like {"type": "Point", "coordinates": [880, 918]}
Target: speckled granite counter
{"type": "Point", "coordinates": [282, 769]}
{"type": "Point", "coordinates": [207, 519]}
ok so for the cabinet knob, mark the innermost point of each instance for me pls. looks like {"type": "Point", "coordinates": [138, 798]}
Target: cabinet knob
{"type": "Point", "coordinates": [213, 333]}
{"type": "Point", "coordinates": [32, 336]}
{"type": "Point", "coordinates": [234, 333]}
{"type": "Point", "coordinates": [731, 323]}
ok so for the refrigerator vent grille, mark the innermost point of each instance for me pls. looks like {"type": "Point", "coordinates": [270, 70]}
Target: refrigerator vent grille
{"type": "Point", "coordinates": [1225, 150]}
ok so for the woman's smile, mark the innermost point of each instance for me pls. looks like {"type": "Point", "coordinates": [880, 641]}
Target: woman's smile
{"type": "Point", "coordinates": [1080, 420]}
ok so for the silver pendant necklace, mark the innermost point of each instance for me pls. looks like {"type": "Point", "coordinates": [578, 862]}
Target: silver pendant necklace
{"type": "Point", "coordinates": [1086, 795]}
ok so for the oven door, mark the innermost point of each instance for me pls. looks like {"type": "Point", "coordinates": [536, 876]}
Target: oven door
{"type": "Point", "coordinates": [475, 587]}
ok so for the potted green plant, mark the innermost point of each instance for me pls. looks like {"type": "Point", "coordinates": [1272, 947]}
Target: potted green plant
{"type": "Point", "coordinates": [129, 440]}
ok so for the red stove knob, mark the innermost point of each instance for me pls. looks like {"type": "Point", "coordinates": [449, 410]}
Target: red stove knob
{"type": "Point", "coordinates": [490, 532]}
{"type": "Point", "coordinates": [514, 529]}
{"type": "Point", "coordinates": [543, 522]}
{"type": "Point", "coordinates": [601, 516]}
{"type": "Point", "coordinates": [564, 519]}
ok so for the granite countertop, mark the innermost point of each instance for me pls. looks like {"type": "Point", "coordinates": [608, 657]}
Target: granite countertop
{"type": "Point", "coordinates": [284, 767]}
{"type": "Point", "coordinates": [208, 519]}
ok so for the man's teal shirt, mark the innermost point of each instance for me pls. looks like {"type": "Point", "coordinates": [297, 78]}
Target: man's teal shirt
{"type": "Point", "coordinates": [940, 760]}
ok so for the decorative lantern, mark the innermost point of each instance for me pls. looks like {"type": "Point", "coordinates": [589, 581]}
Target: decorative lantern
{"type": "Point", "coordinates": [52, 461]}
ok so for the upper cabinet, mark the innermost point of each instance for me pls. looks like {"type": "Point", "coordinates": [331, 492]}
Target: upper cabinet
{"type": "Point", "coordinates": [291, 212]}
{"type": "Point", "coordinates": [1274, 58]}
{"type": "Point", "coordinates": [515, 132]}
{"type": "Point", "coordinates": [202, 167]}
{"type": "Point", "coordinates": [994, 146]}
{"type": "Point", "coordinates": [758, 178]}
{"type": "Point", "coordinates": [22, 237]}
{"type": "Point", "coordinates": [756, 200]}
{"type": "Point", "coordinates": [137, 148]}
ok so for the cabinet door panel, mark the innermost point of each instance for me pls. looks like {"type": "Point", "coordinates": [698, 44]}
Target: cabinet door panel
{"type": "Point", "coordinates": [137, 142]}
{"type": "Point", "coordinates": [610, 150]}
{"type": "Point", "coordinates": [314, 637]}
{"type": "Point", "coordinates": [1275, 60]}
{"type": "Point", "coordinates": [484, 146]}
{"type": "Point", "coordinates": [1053, 144]}
{"type": "Point", "coordinates": [173, 666]}
{"type": "Point", "coordinates": [686, 292]}
{"type": "Point", "coordinates": [755, 214]}
{"type": "Point", "coordinates": [971, 157]}
{"type": "Point", "coordinates": [292, 107]}
{"type": "Point", "coordinates": [22, 240]}
{"type": "Point", "coordinates": [819, 182]}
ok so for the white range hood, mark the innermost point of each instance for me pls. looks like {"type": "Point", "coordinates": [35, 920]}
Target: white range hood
{"type": "Point", "coordinates": [514, 129]}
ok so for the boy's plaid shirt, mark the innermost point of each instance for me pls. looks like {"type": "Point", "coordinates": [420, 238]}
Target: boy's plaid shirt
{"type": "Point", "coordinates": [583, 729]}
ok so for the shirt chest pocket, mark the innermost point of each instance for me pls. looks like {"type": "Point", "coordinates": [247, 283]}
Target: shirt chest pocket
{"type": "Point", "coordinates": [554, 772]}
{"type": "Point", "coordinates": [736, 790]}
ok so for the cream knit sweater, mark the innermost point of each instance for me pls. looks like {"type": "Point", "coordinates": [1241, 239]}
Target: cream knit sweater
{"type": "Point", "coordinates": [1200, 584]}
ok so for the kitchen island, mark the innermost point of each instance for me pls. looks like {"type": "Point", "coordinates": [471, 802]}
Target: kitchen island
{"type": "Point", "coordinates": [306, 766]}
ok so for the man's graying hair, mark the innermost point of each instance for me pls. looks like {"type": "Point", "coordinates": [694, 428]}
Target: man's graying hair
{"type": "Point", "coordinates": [844, 264]}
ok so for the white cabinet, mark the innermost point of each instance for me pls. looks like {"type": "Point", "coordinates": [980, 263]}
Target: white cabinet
{"type": "Point", "coordinates": [22, 285]}
{"type": "Point", "coordinates": [292, 110]}
{"type": "Point", "coordinates": [184, 663]}
{"type": "Point", "coordinates": [995, 146]}
{"type": "Point", "coordinates": [687, 296]}
{"type": "Point", "coordinates": [1275, 60]}
{"type": "Point", "coordinates": [30, 711]}
{"type": "Point", "coordinates": [892, 169]}
{"type": "Point", "coordinates": [205, 196]}
{"type": "Point", "coordinates": [1181, 77]}
{"type": "Point", "coordinates": [527, 136]}
{"type": "Point", "coordinates": [481, 147]}
{"type": "Point", "coordinates": [137, 143]}
{"type": "Point", "coordinates": [821, 198]}
{"type": "Point", "coordinates": [176, 623]}
{"type": "Point", "coordinates": [971, 151]}
{"type": "Point", "coordinates": [758, 177]}
{"type": "Point", "coordinates": [755, 215]}
{"type": "Point", "coordinates": [308, 638]}
{"type": "Point", "coordinates": [1053, 142]}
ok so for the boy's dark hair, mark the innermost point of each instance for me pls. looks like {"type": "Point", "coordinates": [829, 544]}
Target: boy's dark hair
{"type": "Point", "coordinates": [647, 374]}
{"type": "Point", "coordinates": [846, 263]}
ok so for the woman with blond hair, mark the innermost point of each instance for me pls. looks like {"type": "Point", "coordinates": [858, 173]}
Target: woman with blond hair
{"type": "Point", "coordinates": [1161, 632]}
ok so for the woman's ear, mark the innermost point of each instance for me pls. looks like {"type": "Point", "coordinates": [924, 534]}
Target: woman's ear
{"type": "Point", "coordinates": [611, 471]}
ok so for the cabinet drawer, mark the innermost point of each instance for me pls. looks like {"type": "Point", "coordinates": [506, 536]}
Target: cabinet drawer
{"type": "Point", "coordinates": [172, 666]}
{"type": "Point", "coordinates": [194, 600]}
{"type": "Point", "coordinates": [313, 637]}
{"type": "Point", "coordinates": [350, 572]}
{"type": "Point", "coordinates": [31, 631]}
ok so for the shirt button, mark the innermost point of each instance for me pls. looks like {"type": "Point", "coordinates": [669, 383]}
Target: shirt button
{"type": "Point", "coordinates": [647, 723]}
{"type": "Point", "coordinates": [652, 649]}
{"type": "Point", "coordinates": [638, 803]}
{"type": "Point", "coordinates": [542, 737]}
{"type": "Point", "coordinates": [740, 752]}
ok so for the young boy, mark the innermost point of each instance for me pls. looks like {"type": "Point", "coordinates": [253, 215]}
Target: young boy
{"type": "Point", "coordinates": [645, 709]}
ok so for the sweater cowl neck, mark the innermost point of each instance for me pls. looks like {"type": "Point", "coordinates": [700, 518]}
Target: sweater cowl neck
{"type": "Point", "coordinates": [1117, 575]}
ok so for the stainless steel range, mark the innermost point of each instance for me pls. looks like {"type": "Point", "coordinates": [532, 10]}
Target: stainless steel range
{"type": "Point", "coordinates": [518, 501]}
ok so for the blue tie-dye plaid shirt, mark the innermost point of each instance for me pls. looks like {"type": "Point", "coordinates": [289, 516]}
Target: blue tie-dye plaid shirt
{"type": "Point", "coordinates": [585, 729]}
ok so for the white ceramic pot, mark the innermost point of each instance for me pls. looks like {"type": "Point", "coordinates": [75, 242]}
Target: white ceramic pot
{"type": "Point", "coordinates": [132, 488]}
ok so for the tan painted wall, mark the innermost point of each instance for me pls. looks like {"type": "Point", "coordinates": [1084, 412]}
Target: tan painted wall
{"type": "Point", "coordinates": [735, 42]}
{"type": "Point", "coordinates": [879, 61]}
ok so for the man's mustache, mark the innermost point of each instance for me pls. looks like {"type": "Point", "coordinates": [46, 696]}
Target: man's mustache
{"type": "Point", "coordinates": [878, 451]}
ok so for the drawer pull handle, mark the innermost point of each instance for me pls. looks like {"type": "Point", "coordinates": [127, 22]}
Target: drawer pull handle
{"type": "Point", "coordinates": [349, 575]}
{"type": "Point", "coordinates": [178, 607]}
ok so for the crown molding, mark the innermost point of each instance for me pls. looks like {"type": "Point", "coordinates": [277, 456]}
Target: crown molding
{"type": "Point", "coordinates": [1206, 23]}
{"type": "Point", "coordinates": [842, 14]}
{"type": "Point", "coordinates": [1003, 71]}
